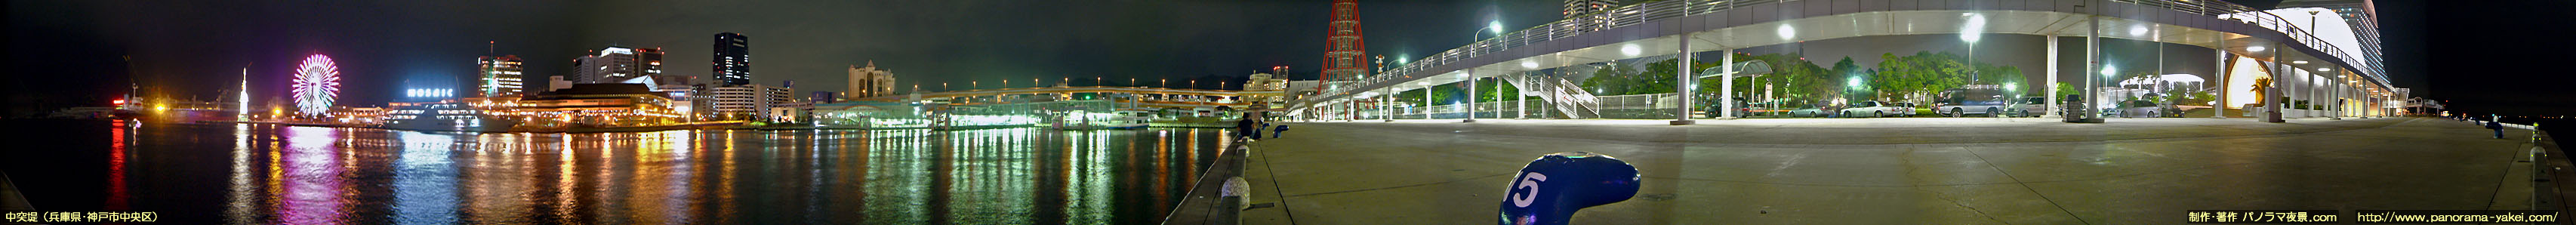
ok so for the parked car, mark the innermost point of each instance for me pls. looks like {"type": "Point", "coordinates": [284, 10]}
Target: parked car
{"type": "Point", "coordinates": [1760, 109]}
{"type": "Point", "coordinates": [1870, 109]}
{"type": "Point", "coordinates": [1903, 108]}
{"type": "Point", "coordinates": [1741, 109]}
{"type": "Point", "coordinates": [1987, 100]}
{"type": "Point", "coordinates": [1807, 112]}
{"type": "Point", "coordinates": [2029, 107]}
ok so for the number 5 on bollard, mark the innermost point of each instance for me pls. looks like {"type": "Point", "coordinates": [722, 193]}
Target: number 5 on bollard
{"type": "Point", "coordinates": [1549, 190]}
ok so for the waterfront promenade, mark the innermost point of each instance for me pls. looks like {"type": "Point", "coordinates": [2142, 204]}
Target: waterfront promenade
{"type": "Point", "coordinates": [1894, 170]}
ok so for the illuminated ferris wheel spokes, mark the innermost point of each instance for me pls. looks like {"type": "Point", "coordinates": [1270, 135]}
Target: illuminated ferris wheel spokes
{"type": "Point", "coordinates": [317, 83]}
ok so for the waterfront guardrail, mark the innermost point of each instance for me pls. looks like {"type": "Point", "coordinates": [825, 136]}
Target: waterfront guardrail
{"type": "Point", "coordinates": [1212, 200]}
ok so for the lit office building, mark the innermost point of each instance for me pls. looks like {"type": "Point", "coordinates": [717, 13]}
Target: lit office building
{"type": "Point", "coordinates": [616, 64]}
{"type": "Point", "coordinates": [1580, 7]}
{"type": "Point", "coordinates": [1587, 14]}
{"type": "Point", "coordinates": [733, 59]}
{"type": "Point", "coordinates": [499, 75]}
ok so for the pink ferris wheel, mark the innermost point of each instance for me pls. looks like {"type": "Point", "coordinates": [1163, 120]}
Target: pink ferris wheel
{"type": "Point", "coordinates": [317, 84]}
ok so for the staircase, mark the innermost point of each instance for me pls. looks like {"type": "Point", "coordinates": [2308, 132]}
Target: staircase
{"type": "Point", "coordinates": [1568, 98]}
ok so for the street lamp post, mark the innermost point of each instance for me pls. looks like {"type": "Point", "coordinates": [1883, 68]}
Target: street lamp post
{"type": "Point", "coordinates": [1970, 35]}
{"type": "Point", "coordinates": [1497, 27]}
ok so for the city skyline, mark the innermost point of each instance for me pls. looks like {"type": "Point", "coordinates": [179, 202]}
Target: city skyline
{"type": "Point", "coordinates": [1180, 112]}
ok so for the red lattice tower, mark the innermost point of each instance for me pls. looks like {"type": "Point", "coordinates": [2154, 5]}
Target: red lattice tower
{"type": "Point", "coordinates": [1345, 56]}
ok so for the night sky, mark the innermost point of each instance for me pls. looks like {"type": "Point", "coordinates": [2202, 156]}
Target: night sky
{"type": "Point", "coordinates": [69, 53]}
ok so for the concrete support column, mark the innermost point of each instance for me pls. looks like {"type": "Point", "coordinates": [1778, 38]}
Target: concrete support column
{"type": "Point", "coordinates": [1682, 87]}
{"type": "Point", "coordinates": [1426, 101]}
{"type": "Point", "coordinates": [2092, 65]}
{"type": "Point", "coordinates": [1520, 102]}
{"type": "Point", "coordinates": [1471, 95]}
{"type": "Point", "coordinates": [1387, 107]}
{"type": "Point", "coordinates": [2307, 91]}
{"type": "Point", "coordinates": [2337, 107]}
{"type": "Point", "coordinates": [2273, 98]}
{"type": "Point", "coordinates": [1726, 84]}
{"type": "Point", "coordinates": [2299, 89]}
{"type": "Point", "coordinates": [2218, 44]}
{"type": "Point", "coordinates": [2051, 85]}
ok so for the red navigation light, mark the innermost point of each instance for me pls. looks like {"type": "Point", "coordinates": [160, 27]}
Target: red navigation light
{"type": "Point", "coordinates": [120, 102]}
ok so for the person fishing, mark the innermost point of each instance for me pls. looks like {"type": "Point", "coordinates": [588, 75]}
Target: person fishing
{"type": "Point", "coordinates": [1248, 127]}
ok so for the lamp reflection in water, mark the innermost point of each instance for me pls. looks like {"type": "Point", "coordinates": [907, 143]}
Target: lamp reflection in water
{"type": "Point", "coordinates": [116, 195]}
{"type": "Point", "coordinates": [500, 182]}
{"type": "Point", "coordinates": [425, 179]}
{"type": "Point", "coordinates": [312, 183]}
{"type": "Point", "coordinates": [314, 175]}
{"type": "Point", "coordinates": [239, 208]}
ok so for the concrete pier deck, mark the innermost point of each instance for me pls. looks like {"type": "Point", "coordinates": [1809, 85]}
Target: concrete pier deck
{"type": "Point", "coordinates": [1893, 170]}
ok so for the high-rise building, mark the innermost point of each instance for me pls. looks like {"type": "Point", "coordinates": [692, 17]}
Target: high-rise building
{"type": "Point", "coordinates": [2361, 15]}
{"type": "Point", "coordinates": [1345, 55]}
{"type": "Point", "coordinates": [1584, 14]}
{"type": "Point", "coordinates": [733, 59]}
{"type": "Point", "coordinates": [499, 76]}
{"type": "Point", "coordinates": [870, 81]}
{"type": "Point", "coordinates": [616, 64]}
{"type": "Point", "coordinates": [1581, 7]}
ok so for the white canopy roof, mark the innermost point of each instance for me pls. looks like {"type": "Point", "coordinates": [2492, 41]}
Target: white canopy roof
{"type": "Point", "coordinates": [2169, 78]}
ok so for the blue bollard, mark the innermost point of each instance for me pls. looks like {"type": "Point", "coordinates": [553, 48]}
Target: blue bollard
{"type": "Point", "coordinates": [1550, 189]}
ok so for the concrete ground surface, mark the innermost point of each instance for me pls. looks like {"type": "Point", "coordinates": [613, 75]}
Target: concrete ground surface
{"type": "Point", "coordinates": [1893, 170]}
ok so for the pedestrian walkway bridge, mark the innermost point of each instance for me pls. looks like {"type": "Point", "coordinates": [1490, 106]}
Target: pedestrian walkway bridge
{"type": "Point", "coordinates": [1673, 26]}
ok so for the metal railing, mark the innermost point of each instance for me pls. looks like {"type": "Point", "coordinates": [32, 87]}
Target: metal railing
{"type": "Point", "coordinates": [2300, 35]}
{"type": "Point", "coordinates": [1639, 13]}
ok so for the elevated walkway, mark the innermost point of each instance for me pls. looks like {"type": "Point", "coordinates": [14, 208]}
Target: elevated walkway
{"type": "Point", "coordinates": [1666, 27]}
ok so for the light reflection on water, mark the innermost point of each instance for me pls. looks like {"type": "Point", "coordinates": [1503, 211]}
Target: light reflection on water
{"type": "Point", "coordinates": [313, 175]}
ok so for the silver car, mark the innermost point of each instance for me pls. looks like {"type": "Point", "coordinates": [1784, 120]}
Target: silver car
{"type": "Point", "coordinates": [1870, 109]}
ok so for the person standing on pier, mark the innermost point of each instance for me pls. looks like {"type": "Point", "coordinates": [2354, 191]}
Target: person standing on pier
{"type": "Point", "coordinates": [2497, 124]}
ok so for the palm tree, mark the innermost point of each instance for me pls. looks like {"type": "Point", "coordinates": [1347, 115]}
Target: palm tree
{"type": "Point", "coordinates": [2259, 84]}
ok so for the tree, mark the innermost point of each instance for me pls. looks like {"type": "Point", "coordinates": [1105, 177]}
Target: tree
{"type": "Point", "coordinates": [1656, 78]}
{"type": "Point", "coordinates": [2002, 75]}
{"type": "Point", "coordinates": [1611, 78]}
{"type": "Point", "coordinates": [2064, 89]}
{"type": "Point", "coordinates": [2259, 84]}
{"type": "Point", "coordinates": [1486, 92]}
{"type": "Point", "coordinates": [1848, 71]}
{"type": "Point", "coordinates": [1444, 94]}
{"type": "Point", "coordinates": [1917, 77]}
